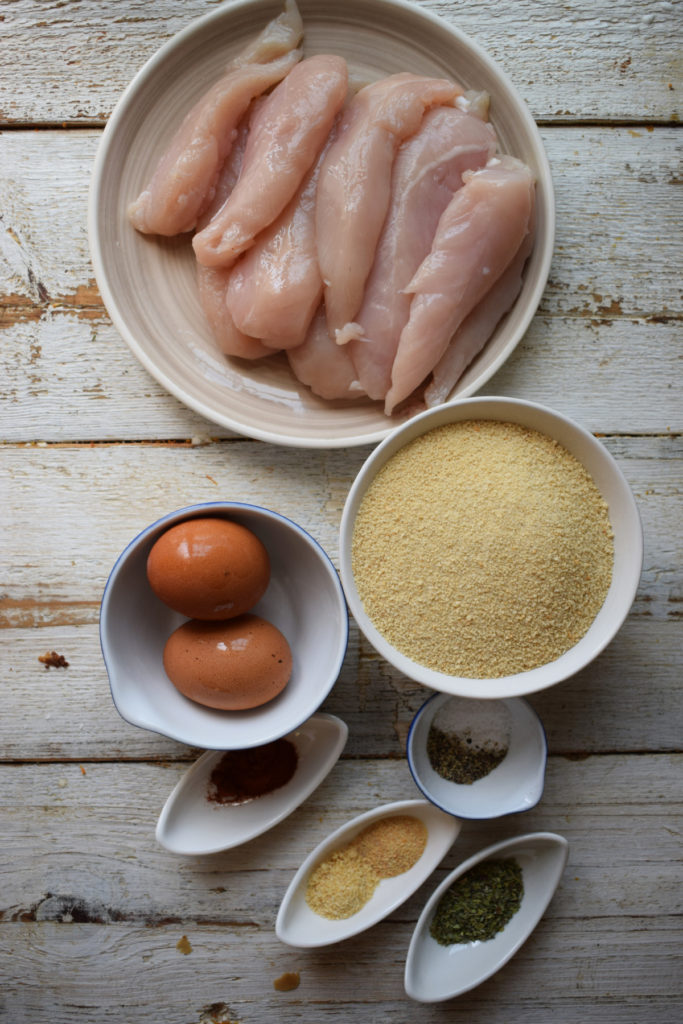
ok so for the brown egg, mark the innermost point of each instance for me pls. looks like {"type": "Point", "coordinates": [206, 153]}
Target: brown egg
{"type": "Point", "coordinates": [233, 665]}
{"type": "Point", "coordinates": [209, 568]}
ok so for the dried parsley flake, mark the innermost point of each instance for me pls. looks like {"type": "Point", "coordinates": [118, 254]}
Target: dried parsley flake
{"type": "Point", "coordinates": [479, 904]}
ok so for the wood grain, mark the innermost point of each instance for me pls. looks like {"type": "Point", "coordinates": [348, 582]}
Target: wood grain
{"type": "Point", "coordinates": [86, 920]}
{"type": "Point", "coordinates": [65, 63]}
{"type": "Point", "coordinates": [92, 449]}
{"type": "Point", "coordinates": [70, 376]}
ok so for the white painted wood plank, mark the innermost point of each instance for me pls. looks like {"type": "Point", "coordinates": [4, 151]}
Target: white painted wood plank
{"type": "Point", "coordinates": [616, 314]}
{"type": "Point", "coordinates": [628, 700]}
{"type": "Point", "coordinates": [621, 971]}
{"type": "Point", "coordinates": [583, 59]}
{"type": "Point", "coordinates": [614, 186]}
{"type": "Point", "coordinates": [71, 510]}
{"type": "Point", "coordinates": [70, 377]}
{"type": "Point", "coordinates": [609, 937]}
{"type": "Point", "coordinates": [113, 809]}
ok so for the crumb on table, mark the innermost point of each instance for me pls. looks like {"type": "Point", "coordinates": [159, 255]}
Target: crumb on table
{"type": "Point", "coordinates": [53, 660]}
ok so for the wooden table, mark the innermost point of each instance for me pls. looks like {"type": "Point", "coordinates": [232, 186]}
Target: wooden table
{"type": "Point", "coordinates": [93, 910]}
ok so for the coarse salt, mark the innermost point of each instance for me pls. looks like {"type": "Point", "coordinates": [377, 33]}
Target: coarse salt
{"type": "Point", "coordinates": [484, 723]}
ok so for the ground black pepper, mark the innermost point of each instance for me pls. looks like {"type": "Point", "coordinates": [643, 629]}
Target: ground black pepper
{"type": "Point", "coordinates": [241, 775]}
{"type": "Point", "coordinates": [479, 904]}
{"type": "Point", "coordinates": [457, 760]}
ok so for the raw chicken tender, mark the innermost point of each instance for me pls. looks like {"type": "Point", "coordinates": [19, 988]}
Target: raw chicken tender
{"type": "Point", "coordinates": [185, 177]}
{"type": "Point", "coordinates": [355, 182]}
{"type": "Point", "coordinates": [325, 367]}
{"type": "Point", "coordinates": [213, 285]}
{"type": "Point", "coordinates": [276, 287]}
{"type": "Point", "coordinates": [427, 171]}
{"type": "Point", "coordinates": [230, 171]}
{"type": "Point", "coordinates": [279, 36]}
{"type": "Point", "coordinates": [213, 282]}
{"type": "Point", "coordinates": [477, 237]}
{"type": "Point", "coordinates": [286, 137]}
{"type": "Point", "coordinates": [478, 327]}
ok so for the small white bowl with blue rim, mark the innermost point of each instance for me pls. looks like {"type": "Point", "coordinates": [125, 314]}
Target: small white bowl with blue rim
{"type": "Point", "coordinates": [304, 600]}
{"type": "Point", "coordinates": [515, 784]}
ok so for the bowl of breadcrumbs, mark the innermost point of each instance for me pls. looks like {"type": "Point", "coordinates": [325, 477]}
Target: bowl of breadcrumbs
{"type": "Point", "coordinates": [490, 548]}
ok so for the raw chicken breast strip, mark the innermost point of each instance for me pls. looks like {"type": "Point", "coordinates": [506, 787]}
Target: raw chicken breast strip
{"type": "Point", "coordinates": [355, 182]}
{"type": "Point", "coordinates": [279, 36]}
{"type": "Point", "coordinates": [286, 137]}
{"type": "Point", "coordinates": [186, 175]}
{"type": "Point", "coordinates": [477, 237]}
{"type": "Point", "coordinates": [427, 171]}
{"type": "Point", "coordinates": [229, 173]}
{"type": "Point", "coordinates": [322, 365]}
{"type": "Point", "coordinates": [478, 327]}
{"type": "Point", "coordinates": [213, 285]}
{"type": "Point", "coordinates": [276, 287]}
{"type": "Point", "coordinates": [213, 282]}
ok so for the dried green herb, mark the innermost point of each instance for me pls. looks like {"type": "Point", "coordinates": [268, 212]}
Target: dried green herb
{"type": "Point", "coordinates": [456, 760]}
{"type": "Point", "coordinates": [479, 904]}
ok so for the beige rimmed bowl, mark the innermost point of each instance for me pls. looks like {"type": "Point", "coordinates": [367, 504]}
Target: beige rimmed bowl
{"type": "Point", "coordinates": [624, 520]}
{"type": "Point", "coordinates": [148, 284]}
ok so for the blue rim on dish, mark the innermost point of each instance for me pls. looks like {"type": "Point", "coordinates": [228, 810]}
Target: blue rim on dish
{"type": "Point", "coordinates": [218, 507]}
{"type": "Point", "coordinates": [459, 812]}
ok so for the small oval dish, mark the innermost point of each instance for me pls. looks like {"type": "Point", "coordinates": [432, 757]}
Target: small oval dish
{"type": "Point", "coordinates": [304, 600]}
{"type": "Point", "coordinates": [298, 925]}
{"type": "Point", "coordinates": [511, 725]}
{"type": "Point", "coordinates": [190, 823]}
{"type": "Point", "coordinates": [434, 972]}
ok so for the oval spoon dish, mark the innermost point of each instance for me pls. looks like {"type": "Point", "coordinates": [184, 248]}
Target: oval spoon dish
{"type": "Point", "coordinates": [298, 925]}
{"type": "Point", "coordinates": [434, 972]}
{"type": "Point", "coordinates": [516, 784]}
{"type": "Point", "coordinates": [192, 824]}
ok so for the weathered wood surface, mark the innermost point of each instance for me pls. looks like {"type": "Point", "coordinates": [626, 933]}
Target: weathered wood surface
{"type": "Point", "coordinates": [614, 315]}
{"type": "Point", "coordinates": [126, 903]}
{"type": "Point", "coordinates": [98, 497]}
{"type": "Point", "coordinates": [579, 60]}
{"type": "Point", "coordinates": [92, 450]}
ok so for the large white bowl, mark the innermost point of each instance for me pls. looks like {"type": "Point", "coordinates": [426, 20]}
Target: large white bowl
{"type": "Point", "coordinates": [148, 284]}
{"type": "Point", "coordinates": [624, 519]}
{"type": "Point", "coordinates": [304, 600]}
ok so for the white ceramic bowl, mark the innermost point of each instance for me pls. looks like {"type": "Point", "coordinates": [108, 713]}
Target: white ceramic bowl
{"type": "Point", "coordinates": [434, 972]}
{"type": "Point", "coordinates": [516, 784]}
{"type": "Point", "coordinates": [191, 824]}
{"type": "Point", "coordinates": [624, 519]}
{"type": "Point", "coordinates": [148, 284]}
{"type": "Point", "coordinates": [298, 925]}
{"type": "Point", "coordinates": [304, 600]}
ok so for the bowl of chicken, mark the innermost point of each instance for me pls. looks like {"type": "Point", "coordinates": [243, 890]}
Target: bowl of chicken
{"type": "Point", "coordinates": [311, 221]}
